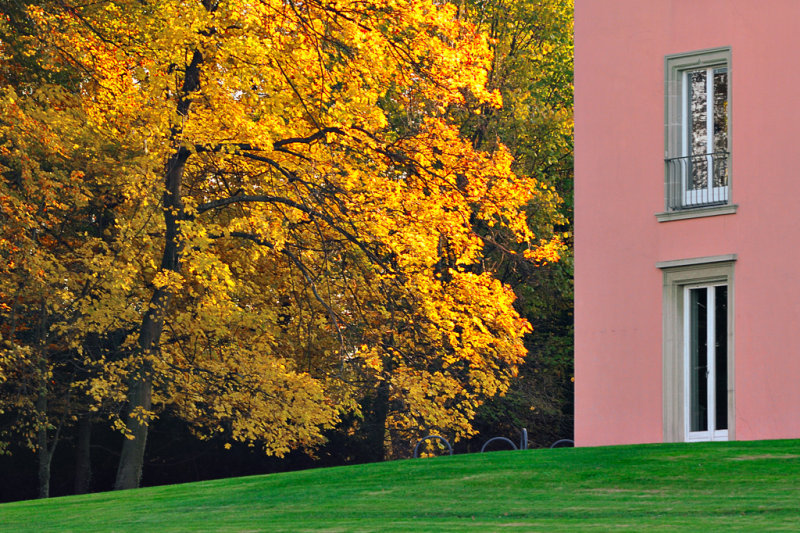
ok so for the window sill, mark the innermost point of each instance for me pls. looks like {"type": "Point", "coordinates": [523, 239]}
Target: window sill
{"type": "Point", "coordinates": [697, 213]}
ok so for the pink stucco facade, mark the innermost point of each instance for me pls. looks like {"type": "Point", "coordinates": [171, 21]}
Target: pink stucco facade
{"type": "Point", "coordinates": [620, 49]}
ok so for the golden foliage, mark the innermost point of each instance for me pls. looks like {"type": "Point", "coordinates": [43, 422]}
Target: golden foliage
{"type": "Point", "coordinates": [261, 205]}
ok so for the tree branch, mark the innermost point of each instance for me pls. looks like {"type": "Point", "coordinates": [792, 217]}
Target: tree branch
{"type": "Point", "coordinates": [306, 274]}
{"type": "Point", "coordinates": [300, 207]}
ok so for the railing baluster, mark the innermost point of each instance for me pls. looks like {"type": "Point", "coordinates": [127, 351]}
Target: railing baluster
{"type": "Point", "coordinates": [681, 180]}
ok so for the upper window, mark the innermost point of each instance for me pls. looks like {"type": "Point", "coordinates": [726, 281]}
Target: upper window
{"type": "Point", "coordinates": [698, 140]}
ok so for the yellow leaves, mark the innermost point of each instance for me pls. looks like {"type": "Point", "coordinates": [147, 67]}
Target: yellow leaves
{"type": "Point", "coordinates": [355, 256]}
{"type": "Point", "coordinates": [547, 251]}
{"type": "Point", "coordinates": [167, 279]}
{"type": "Point", "coordinates": [474, 346]}
{"type": "Point", "coordinates": [372, 358]}
{"type": "Point", "coordinates": [268, 403]}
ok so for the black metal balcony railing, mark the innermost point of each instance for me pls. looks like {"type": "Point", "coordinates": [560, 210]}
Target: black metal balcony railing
{"type": "Point", "coordinates": [697, 181]}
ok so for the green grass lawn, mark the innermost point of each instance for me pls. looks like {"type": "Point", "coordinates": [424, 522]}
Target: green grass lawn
{"type": "Point", "coordinates": [751, 486]}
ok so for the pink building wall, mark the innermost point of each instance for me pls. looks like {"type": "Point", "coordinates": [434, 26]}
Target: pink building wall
{"type": "Point", "coordinates": [619, 186]}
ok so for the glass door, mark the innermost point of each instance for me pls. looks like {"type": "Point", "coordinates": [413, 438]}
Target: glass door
{"type": "Point", "coordinates": [706, 362]}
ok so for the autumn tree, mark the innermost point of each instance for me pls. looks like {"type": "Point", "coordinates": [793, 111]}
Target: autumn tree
{"type": "Point", "coordinates": [43, 208]}
{"type": "Point", "coordinates": [532, 49]}
{"type": "Point", "coordinates": [270, 242]}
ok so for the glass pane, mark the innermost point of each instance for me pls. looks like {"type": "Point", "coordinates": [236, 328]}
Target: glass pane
{"type": "Point", "coordinates": [698, 360]}
{"type": "Point", "coordinates": [721, 357]}
{"type": "Point", "coordinates": [698, 129]}
{"type": "Point", "coordinates": [720, 126]}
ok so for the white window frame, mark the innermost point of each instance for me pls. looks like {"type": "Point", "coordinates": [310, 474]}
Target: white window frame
{"type": "Point", "coordinates": [710, 434]}
{"type": "Point", "coordinates": [695, 196]}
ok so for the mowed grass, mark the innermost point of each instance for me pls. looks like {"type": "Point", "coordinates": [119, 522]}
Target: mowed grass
{"type": "Point", "coordinates": [750, 486]}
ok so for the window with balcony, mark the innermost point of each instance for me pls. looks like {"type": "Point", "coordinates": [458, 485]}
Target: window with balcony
{"type": "Point", "coordinates": [697, 134]}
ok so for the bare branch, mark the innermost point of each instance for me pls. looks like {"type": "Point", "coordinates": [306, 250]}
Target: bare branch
{"type": "Point", "coordinates": [306, 274]}
{"type": "Point", "coordinates": [259, 198]}
{"type": "Point", "coordinates": [300, 207]}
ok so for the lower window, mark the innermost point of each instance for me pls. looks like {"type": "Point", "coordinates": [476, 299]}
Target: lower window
{"type": "Point", "coordinates": [698, 349]}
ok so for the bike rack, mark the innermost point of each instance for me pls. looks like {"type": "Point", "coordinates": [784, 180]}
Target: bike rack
{"type": "Point", "coordinates": [485, 444]}
{"type": "Point", "coordinates": [523, 443]}
{"type": "Point", "coordinates": [439, 437]}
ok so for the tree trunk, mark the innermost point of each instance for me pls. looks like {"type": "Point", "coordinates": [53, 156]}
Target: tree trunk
{"type": "Point", "coordinates": [131, 461]}
{"type": "Point", "coordinates": [140, 391]}
{"type": "Point", "coordinates": [44, 450]}
{"type": "Point", "coordinates": [45, 459]}
{"type": "Point", "coordinates": [83, 458]}
{"type": "Point", "coordinates": [44, 453]}
{"type": "Point", "coordinates": [376, 429]}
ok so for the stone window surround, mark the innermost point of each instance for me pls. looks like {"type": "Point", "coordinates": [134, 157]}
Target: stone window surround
{"type": "Point", "coordinates": [677, 275]}
{"type": "Point", "coordinates": [674, 66]}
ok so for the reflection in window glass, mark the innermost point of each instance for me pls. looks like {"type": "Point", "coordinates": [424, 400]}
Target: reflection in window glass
{"type": "Point", "coordinates": [698, 360]}
{"type": "Point", "coordinates": [698, 129]}
{"type": "Point", "coordinates": [720, 125]}
{"type": "Point", "coordinates": [721, 356]}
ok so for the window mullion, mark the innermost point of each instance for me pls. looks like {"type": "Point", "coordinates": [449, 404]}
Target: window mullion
{"type": "Point", "coordinates": [711, 354]}
{"type": "Point", "coordinates": [710, 131]}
